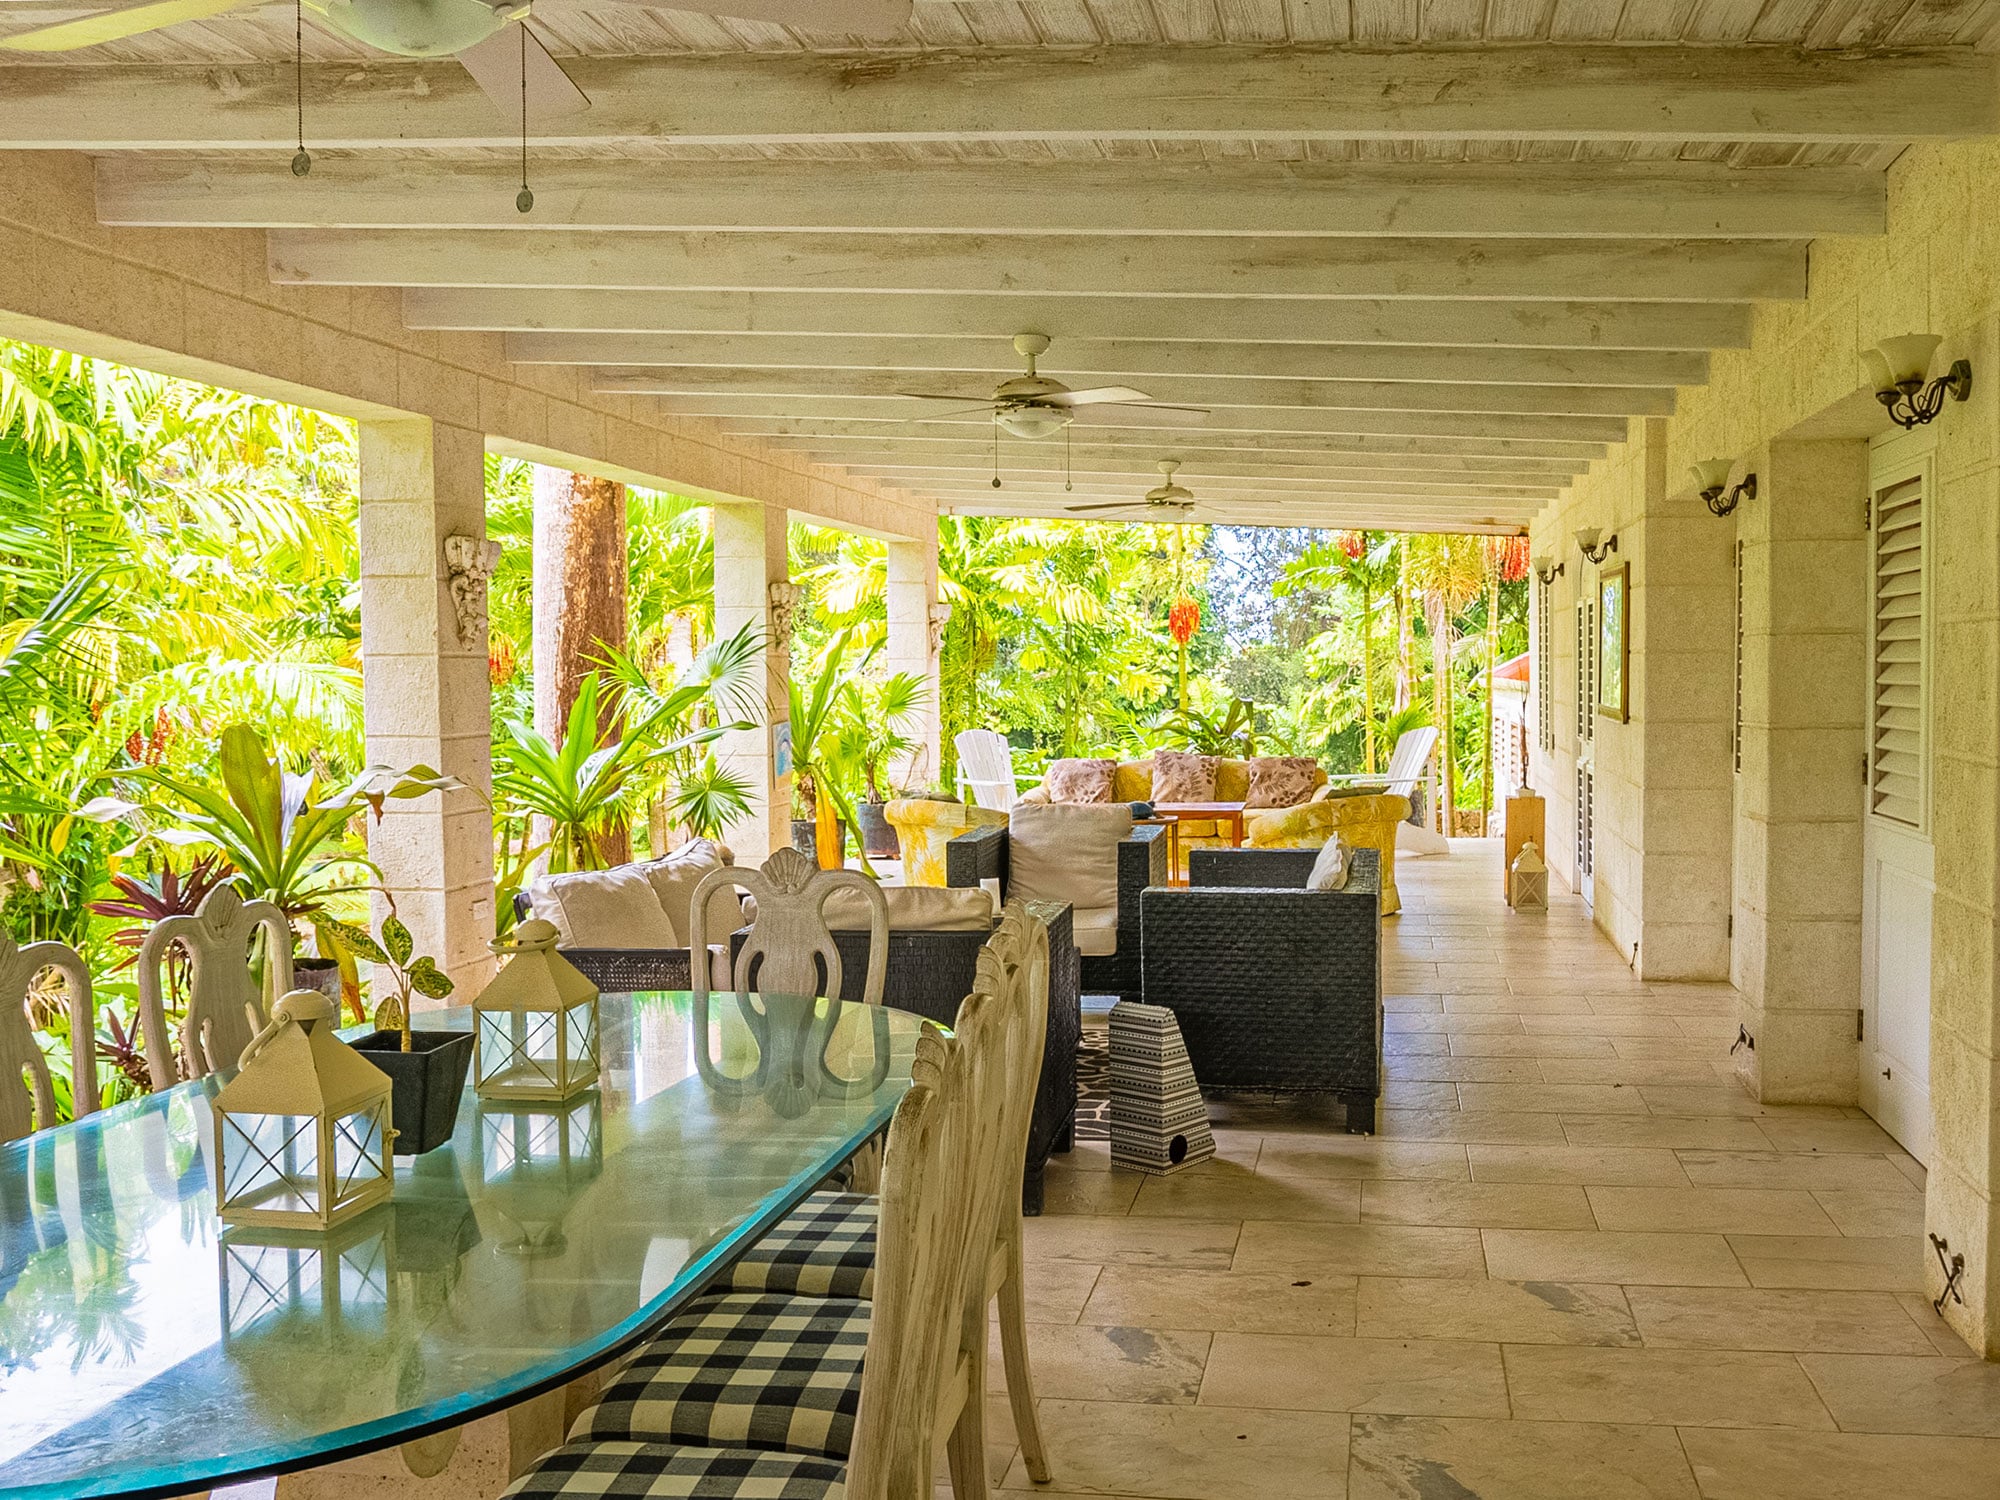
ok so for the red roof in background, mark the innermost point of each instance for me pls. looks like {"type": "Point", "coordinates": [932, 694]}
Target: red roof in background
{"type": "Point", "coordinates": [1513, 671]}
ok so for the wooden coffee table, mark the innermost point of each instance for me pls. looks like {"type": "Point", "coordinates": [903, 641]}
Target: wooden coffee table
{"type": "Point", "coordinates": [1230, 813]}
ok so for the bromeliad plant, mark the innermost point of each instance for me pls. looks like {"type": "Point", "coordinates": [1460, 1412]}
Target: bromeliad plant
{"type": "Point", "coordinates": [395, 958]}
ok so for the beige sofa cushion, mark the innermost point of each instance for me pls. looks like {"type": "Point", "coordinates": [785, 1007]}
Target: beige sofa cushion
{"type": "Point", "coordinates": [674, 879]}
{"type": "Point", "coordinates": [1059, 853]}
{"type": "Point", "coordinates": [1072, 781]}
{"type": "Point", "coordinates": [1096, 930]}
{"type": "Point", "coordinates": [603, 909]}
{"type": "Point", "coordinates": [926, 908]}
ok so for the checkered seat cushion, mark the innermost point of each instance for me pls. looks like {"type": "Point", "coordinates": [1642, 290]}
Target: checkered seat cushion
{"type": "Point", "coordinates": [743, 1370]}
{"type": "Point", "coordinates": [823, 1248]}
{"type": "Point", "coordinates": [662, 1471]}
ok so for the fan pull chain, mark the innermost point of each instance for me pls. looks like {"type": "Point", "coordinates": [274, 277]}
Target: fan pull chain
{"type": "Point", "coordinates": [525, 199]}
{"type": "Point", "coordinates": [302, 163]}
{"type": "Point", "coordinates": [996, 450]}
{"type": "Point", "coordinates": [1067, 486]}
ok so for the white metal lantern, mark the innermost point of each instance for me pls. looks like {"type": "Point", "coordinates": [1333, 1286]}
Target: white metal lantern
{"type": "Point", "coordinates": [537, 1022]}
{"type": "Point", "coordinates": [302, 1133]}
{"type": "Point", "coordinates": [1528, 880]}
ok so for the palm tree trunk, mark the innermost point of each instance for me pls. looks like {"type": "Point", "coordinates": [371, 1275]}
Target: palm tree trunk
{"type": "Point", "coordinates": [1405, 639]}
{"type": "Point", "coordinates": [1492, 671]}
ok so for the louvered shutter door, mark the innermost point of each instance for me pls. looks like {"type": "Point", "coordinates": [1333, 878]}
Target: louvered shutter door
{"type": "Point", "coordinates": [1736, 713]}
{"type": "Point", "coordinates": [1896, 733]}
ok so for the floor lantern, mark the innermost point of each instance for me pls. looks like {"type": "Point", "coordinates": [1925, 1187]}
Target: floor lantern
{"type": "Point", "coordinates": [1528, 880]}
{"type": "Point", "coordinates": [302, 1133]}
{"type": "Point", "coordinates": [1159, 1123]}
{"type": "Point", "coordinates": [537, 1022]}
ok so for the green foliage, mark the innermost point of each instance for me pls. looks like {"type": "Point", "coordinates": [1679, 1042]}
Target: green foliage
{"type": "Point", "coordinates": [394, 956]}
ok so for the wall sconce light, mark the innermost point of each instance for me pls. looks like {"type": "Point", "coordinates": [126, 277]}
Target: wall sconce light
{"type": "Point", "coordinates": [1547, 570]}
{"type": "Point", "coordinates": [1711, 477]}
{"type": "Point", "coordinates": [1588, 545]}
{"type": "Point", "coordinates": [1896, 369]}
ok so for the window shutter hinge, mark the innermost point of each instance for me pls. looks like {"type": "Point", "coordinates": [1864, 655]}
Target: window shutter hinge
{"type": "Point", "coordinates": [1868, 513]}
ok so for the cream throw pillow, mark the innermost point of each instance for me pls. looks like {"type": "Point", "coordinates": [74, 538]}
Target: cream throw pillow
{"type": "Point", "coordinates": [1073, 781]}
{"type": "Point", "coordinates": [674, 879]}
{"type": "Point", "coordinates": [1183, 776]}
{"type": "Point", "coordinates": [1059, 853]}
{"type": "Point", "coordinates": [929, 908]}
{"type": "Point", "coordinates": [603, 909]}
{"type": "Point", "coordinates": [1329, 871]}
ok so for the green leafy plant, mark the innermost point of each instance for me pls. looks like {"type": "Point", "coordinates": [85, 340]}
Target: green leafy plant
{"type": "Point", "coordinates": [1231, 732]}
{"type": "Point", "coordinates": [873, 715]}
{"type": "Point", "coordinates": [394, 956]}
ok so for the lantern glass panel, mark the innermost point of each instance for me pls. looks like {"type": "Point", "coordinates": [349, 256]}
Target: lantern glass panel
{"type": "Point", "coordinates": [270, 1162]}
{"type": "Point", "coordinates": [517, 1049]}
{"type": "Point", "coordinates": [360, 1152]}
{"type": "Point", "coordinates": [581, 1023]}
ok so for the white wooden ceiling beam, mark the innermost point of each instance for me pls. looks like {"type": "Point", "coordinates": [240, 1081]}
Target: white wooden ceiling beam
{"type": "Point", "coordinates": [1140, 458]}
{"type": "Point", "coordinates": [1143, 465]}
{"type": "Point", "coordinates": [747, 411]}
{"type": "Point", "coordinates": [1601, 200]}
{"type": "Point", "coordinates": [1334, 516]}
{"type": "Point", "coordinates": [1212, 391]}
{"type": "Point", "coordinates": [1225, 481]}
{"type": "Point", "coordinates": [1495, 324]}
{"type": "Point", "coordinates": [1139, 94]}
{"type": "Point", "coordinates": [1081, 362]}
{"type": "Point", "coordinates": [886, 435]}
{"type": "Point", "coordinates": [1536, 270]}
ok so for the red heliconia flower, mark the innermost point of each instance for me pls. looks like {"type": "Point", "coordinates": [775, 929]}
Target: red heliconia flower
{"type": "Point", "coordinates": [1184, 619]}
{"type": "Point", "coordinates": [1511, 557]}
{"type": "Point", "coordinates": [1353, 544]}
{"type": "Point", "coordinates": [500, 660]}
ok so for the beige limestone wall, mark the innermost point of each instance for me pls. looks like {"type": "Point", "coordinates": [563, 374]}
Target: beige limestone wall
{"type": "Point", "coordinates": [1793, 406]}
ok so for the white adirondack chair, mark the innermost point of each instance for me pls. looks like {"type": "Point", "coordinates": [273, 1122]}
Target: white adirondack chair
{"type": "Point", "coordinates": [1406, 769]}
{"type": "Point", "coordinates": [986, 768]}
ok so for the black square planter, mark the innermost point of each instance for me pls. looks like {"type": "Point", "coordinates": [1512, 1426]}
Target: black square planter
{"type": "Point", "coordinates": [427, 1082]}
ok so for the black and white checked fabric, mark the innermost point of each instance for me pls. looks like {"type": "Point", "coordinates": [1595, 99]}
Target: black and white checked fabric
{"type": "Point", "coordinates": [661, 1471]}
{"type": "Point", "coordinates": [743, 1370]}
{"type": "Point", "coordinates": [823, 1248]}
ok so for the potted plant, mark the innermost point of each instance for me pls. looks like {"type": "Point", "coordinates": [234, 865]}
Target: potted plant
{"type": "Point", "coordinates": [815, 707]}
{"type": "Point", "coordinates": [874, 716]}
{"type": "Point", "coordinates": [426, 1068]}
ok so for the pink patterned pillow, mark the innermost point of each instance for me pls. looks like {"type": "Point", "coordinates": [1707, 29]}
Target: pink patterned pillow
{"type": "Point", "coordinates": [1183, 776]}
{"type": "Point", "coordinates": [1280, 781]}
{"type": "Point", "coordinates": [1079, 780]}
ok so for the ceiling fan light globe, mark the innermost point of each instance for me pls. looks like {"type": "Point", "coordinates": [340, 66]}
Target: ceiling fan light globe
{"type": "Point", "coordinates": [1032, 422]}
{"type": "Point", "coordinates": [416, 28]}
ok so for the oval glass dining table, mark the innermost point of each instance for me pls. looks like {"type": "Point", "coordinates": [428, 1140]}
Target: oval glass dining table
{"type": "Point", "coordinates": [146, 1350]}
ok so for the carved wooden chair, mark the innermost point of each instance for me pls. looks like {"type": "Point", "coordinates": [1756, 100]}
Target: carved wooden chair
{"type": "Point", "coordinates": [27, 1091]}
{"type": "Point", "coordinates": [789, 948]}
{"type": "Point", "coordinates": [753, 1394]}
{"type": "Point", "coordinates": [224, 1006]}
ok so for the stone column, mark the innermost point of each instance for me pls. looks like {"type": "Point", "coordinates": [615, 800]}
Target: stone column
{"type": "Point", "coordinates": [912, 594]}
{"type": "Point", "coordinates": [751, 554]}
{"type": "Point", "coordinates": [426, 693]}
{"type": "Point", "coordinates": [1797, 959]}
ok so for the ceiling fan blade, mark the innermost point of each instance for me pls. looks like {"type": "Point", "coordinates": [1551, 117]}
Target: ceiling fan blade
{"type": "Point", "coordinates": [495, 65]}
{"type": "Point", "coordinates": [116, 25]}
{"type": "Point", "coordinates": [1110, 505]}
{"type": "Point", "coordinates": [1096, 395]}
{"type": "Point", "coordinates": [1120, 414]}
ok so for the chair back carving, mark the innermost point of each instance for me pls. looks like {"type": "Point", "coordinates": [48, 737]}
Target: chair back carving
{"type": "Point", "coordinates": [789, 946]}
{"type": "Point", "coordinates": [224, 1006]}
{"type": "Point", "coordinates": [27, 1091]}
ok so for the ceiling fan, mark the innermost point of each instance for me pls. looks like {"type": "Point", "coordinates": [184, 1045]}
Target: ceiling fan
{"type": "Point", "coordinates": [513, 70]}
{"type": "Point", "coordinates": [1166, 502]}
{"type": "Point", "coordinates": [1034, 406]}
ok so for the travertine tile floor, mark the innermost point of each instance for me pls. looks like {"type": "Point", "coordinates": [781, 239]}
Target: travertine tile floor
{"type": "Point", "coordinates": [1578, 1261]}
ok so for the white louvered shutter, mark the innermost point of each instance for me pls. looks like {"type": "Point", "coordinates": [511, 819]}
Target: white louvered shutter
{"type": "Point", "coordinates": [1896, 748]}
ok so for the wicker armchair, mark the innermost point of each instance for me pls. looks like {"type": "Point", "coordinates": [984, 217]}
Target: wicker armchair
{"type": "Point", "coordinates": [1276, 987]}
{"type": "Point", "coordinates": [982, 854]}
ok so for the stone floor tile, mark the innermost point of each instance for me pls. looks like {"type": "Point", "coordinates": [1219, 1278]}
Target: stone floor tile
{"type": "Point", "coordinates": [1835, 1466]}
{"type": "Point", "coordinates": [1631, 1165]}
{"type": "Point", "coordinates": [1673, 1387]}
{"type": "Point", "coordinates": [1710, 1099]}
{"type": "Point", "coordinates": [1359, 1250]}
{"type": "Point", "coordinates": [1554, 1098]}
{"type": "Point", "coordinates": [1498, 1127]}
{"type": "Point", "coordinates": [1941, 1335]}
{"type": "Point", "coordinates": [1912, 1169]}
{"type": "Point", "coordinates": [1082, 1191]}
{"type": "Point", "coordinates": [1672, 1131]}
{"type": "Point", "coordinates": [1455, 1025]}
{"type": "Point", "coordinates": [1837, 1263]}
{"type": "Point", "coordinates": [1101, 1240]}
{"type": "Point", "coordinates": [1057, 1289]}
{"type": "Point", "coordinates": [1413, 1377]}
{"type": "Point", "coordinates": [1476, 1205]}
{"type": "Point", "coordinates": [1235, 1301]}
{"type": "Point", "coordinates": [1506, 1044]}
{"type": "Point", "coordinates": [1676, 1046]}
{"type": "Point", "coordinates": [1415, 1044]}
{"type": "Point", "coordinates": [1464, 1458]}
{"type": "Point", "coordinates": [1680, 1317]}
{"type": "Point", "coordinates": [1413, 1005]}
{"type": "Point", "coordinates": [1400, 1094]}
{"type": "Point", "coordinates": [1191, 1452]}
{"type": "Point", "coordinates": [1629, 1071]}
{"type": "Point", "coordinates": [1921, 1394]}
{"type": "Point", "coordinates": [1791, 1169]}
{"type": "Point", "coordinates": [1432, 1068]}
{"type": "Point", "coordinates": [1505, 1002]}
{"type": "Point", "coordinates": [1805, 1133]}
{"type": "Point", "coordinates": [1597, 1025]}
{"type": "Point", "coordinates": [1096, 1362]}
{"type": "Point", "coordinates": [1228, 1191]}
{"type": "Point", "coordinates": [1628, 1259]}
{"type": "Point", "coordinates": [1512, 1312]}
{"type": "Point", "coordinates": [1360, 1156]}
{"type": "Point", "coordinates": [1703, 1210]}
{"type": "Point", "coordinates": [1868, 1212]}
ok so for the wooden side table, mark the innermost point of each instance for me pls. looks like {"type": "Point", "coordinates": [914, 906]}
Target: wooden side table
{"type": "Point", "coordinates": [1230, 813]}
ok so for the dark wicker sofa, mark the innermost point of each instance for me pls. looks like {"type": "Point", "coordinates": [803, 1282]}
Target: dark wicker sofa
{"type": "Point", "coordinates": [928, 974]}
{"type": "Point", "coordinates": [1275, 987]}
{"type": "Point", "coordinates": [981, 854]}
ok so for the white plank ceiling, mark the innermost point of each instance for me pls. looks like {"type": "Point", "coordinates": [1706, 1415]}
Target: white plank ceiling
{"type": "Point", "coordinates": [1419, 260]}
